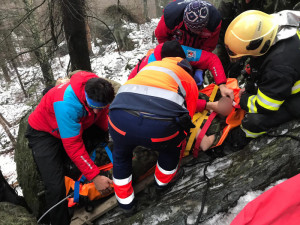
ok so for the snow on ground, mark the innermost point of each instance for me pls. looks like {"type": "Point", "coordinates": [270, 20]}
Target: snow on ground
{"type": "Point", "coordinates": [13, 104]}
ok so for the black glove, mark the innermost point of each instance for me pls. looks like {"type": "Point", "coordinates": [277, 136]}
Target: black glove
{"type": "Point", "coordinates": [185, 122]}
{"type": "Point", "coordinates": [106, 136]}
{"type": "Point", "coordinates": [184, 64]}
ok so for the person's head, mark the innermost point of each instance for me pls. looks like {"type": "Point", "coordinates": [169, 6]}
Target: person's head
{"type": "Point", "coordinates": [252, 33]}
{"type": "Point", "coordinates": [61, 80]}
{"type": "Point", "coordinates": [99, 93]}
{"type": "Point", "coordinates": [196, 15]}
{"type": "Point", "coordinates": [172, 49]}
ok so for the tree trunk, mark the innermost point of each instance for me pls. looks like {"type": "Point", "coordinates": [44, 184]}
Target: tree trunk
{"type": "Point", "coordinates": [6, 129]}
{"type": "Point", "coordinates": [75, 31]}
{"type": "Point", "coordinates": [89, 37]}
{"type": "Point", "coordinates": [19, 77]}
{"type": "Point", "coordinates": [5, 121]}
{"type": "Point", "coordinates": [5, 72]}
{"type": "Point", "coordinates": [40, 53]}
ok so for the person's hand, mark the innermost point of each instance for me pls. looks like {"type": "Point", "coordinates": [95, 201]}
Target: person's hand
{"type": "Point", "coordinates": [103, 184]}
{"type": "Point", "coordinates": [241, 92]}
{"type": "Point", "coordinates": [224, 106]}
{"type": "Point", "coordinates": [226, 92]}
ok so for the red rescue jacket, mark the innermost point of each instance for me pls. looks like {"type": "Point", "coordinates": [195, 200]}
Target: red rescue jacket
{"type": "Point", "coordinates": [63, 112]}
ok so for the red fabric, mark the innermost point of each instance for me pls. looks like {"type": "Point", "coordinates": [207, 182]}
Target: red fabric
{"type": "Point", "coordinates": [43, 119]}
{"type": "Point", "coordinates": [202, 133]}
{"type": "Point", "coordinates": [165, 138]}
{"type": "Point", "coordinates": [123, 191]}
{"type": "Point", "coordinates": [201, 105]}
{"type": "Point", "coordinates": [164, 178]}
{"type": "Point", "coordinates": [211, 62]}
{"type": "Point", "coordinates": [206, 40]}
{"type": "Point", "coordinates": [207, 60]}
{"type": "Point", "coordinates": [279, 205]}
{"type": "Point", "coordinates": [139, 66]}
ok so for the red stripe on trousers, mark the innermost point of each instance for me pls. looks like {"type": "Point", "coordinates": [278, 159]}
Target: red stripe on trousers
{"type": "Point", "coordinates": [165, 138]}
{"type": "Point", "coordinates": [115, 128]}
{"type": "Point", "coordinates": [123, 191]}
{"type": "Point", "coordinates": [163, 177]}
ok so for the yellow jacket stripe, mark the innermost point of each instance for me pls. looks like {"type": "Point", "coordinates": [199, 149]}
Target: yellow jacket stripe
{"type": "Point", "coordinates": [250, 134]}
{"type": "Point", "coordinates": [267, 102]}
{"type": "Point", "coordinates": [296, 87]}
{"type": "Point", "coordinates": [251, 104]}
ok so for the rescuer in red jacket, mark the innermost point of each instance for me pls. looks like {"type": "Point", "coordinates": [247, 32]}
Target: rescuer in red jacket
{"type": "Point", "coordinates": [55, 128]}
{"type": "Point", "coordinates": [193, 23]}
{"type": "Point", "coordinates": [198, 59]}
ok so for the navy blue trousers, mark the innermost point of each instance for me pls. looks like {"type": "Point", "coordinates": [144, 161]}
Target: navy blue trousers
{"type": "Point", "coordinates": [129, 131]}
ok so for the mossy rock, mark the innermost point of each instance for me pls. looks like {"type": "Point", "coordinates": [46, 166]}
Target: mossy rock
{"type": "Point", "coordinates": [28, 175]}
{"type": "Point", "coordinates": [11, 214]}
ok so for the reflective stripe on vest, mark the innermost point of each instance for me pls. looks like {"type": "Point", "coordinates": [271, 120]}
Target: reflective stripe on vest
{"type": "Point", "coordinates": [267, 102]}
{"type": "Point", "coordinates": [250, 134]}
{"type": "Point", "coordinates": [170, 73]}
{"type": "Point", "coordinates": [296, 87]}
{"type": "Point", "coordinates": [153, 91]}
{"type": "Point", "coordinates": [251, 104]}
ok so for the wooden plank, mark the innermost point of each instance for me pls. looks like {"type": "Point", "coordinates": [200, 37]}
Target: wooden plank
{"type": "Point", "coordinates": [82, 217]}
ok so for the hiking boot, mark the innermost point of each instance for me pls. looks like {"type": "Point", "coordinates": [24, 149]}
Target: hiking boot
{"type": "Point", "coordinates": [129, 212]}
{"type": "Point", "coordinates": [162, 189]}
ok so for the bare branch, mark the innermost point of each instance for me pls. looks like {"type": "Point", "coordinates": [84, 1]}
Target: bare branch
{"type": "Point", "coordinates": [109, 31]}
{"type": "Point", "coordinates": [22, 20]}
{"type": "Point", "coordinates": [31, 50]}
{"type": "Point", "coordinates": [10, 136]}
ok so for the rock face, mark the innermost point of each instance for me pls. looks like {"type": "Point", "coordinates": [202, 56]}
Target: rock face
{"type": "Point", "coordinates": [28, 176]}
{"type": "Point", "coordinates": [11, 214]}
{"type": "Point", "coordinates": [264, 161]}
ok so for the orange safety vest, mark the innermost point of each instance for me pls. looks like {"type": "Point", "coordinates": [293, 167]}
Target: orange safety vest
{"type": "Point", "coordinates": [166, 80]}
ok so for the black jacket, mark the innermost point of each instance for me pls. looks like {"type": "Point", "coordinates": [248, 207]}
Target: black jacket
{"type": "Point", "coordinates": [278, 75]}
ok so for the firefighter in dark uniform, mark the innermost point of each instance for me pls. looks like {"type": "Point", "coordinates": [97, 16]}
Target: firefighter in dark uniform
{"type": "Point", "coordinates": [273, 95]}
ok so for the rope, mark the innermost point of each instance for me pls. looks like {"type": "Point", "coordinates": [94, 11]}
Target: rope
{"type": "Point", "coordinates": [69, 196]}
{"type": "Point", "coordinates": [204, 193]}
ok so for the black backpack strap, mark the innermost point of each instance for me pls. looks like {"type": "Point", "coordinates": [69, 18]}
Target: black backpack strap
{"type": "Point", "coordinates": [139, 63]}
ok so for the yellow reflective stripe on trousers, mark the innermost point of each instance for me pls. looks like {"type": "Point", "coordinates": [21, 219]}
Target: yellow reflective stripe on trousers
{"type": "Point", "coordinates": [296, 87]}
{"type": "Point", "coordinates": [170, 73]}
{"type": "Point", "coordinates": [153, 91]}
{"type": "Point", "coordinates": [267, 102]}
{"type": "Point", "coordinates": [250, 134]}
{"type": "Point", "coordinates": [251, 104]}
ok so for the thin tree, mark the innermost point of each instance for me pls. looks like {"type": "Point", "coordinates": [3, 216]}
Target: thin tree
{"type": "Point", "coordinates": [74, 22]}
{"type": "Point", "coordinates": [40, 53]}
{"type": "Point", "coordinates": [6, 129]}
